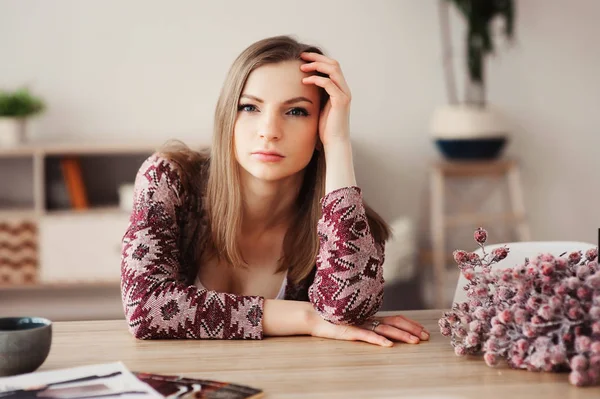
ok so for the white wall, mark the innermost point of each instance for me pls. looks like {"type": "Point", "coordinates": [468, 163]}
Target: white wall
{"type": "Point", "coordinates": [153, 69]}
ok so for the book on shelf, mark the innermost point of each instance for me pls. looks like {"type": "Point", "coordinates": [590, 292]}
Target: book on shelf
{"type": "Point", "coordinates": [71, 169]}
{"type": "Point", "coordinates": [115, 380]}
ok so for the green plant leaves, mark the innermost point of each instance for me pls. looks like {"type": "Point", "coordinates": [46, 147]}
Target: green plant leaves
{"type": "Point", "coordinates": [479, 15]}
{"type": "Point", "coordinates": [20, 104]}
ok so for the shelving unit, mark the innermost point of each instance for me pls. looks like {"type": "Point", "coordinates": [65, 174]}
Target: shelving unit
{"type": "Point", "coordinates": [58, 285]}
{"type": "Point", "coordinates": [66, 247]}
{"type": "Point", "coordinates": [56, 261]}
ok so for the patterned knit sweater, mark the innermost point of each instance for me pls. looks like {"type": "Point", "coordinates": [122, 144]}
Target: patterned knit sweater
{"type": "Point", "coordinates": [160, 299]}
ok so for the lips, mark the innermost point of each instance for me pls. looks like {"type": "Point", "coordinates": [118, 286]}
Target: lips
{"type": "Point", "coordinates": [268, 153]}
{"type": "Point", "coordinates": [267, 156]}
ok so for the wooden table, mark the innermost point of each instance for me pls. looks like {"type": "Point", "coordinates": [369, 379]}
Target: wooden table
{"type": "Point", "coordinates": [303, 367]}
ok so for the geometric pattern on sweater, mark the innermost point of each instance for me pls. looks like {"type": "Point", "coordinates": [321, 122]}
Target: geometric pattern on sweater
{"type": "Point", "coordinates": [160, 300]}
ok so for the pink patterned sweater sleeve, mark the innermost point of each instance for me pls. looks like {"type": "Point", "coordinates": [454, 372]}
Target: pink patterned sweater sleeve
{"type": "Point", "coordinates": [157, 302]}
{"type": "Point", "coordinates": [348, 284]}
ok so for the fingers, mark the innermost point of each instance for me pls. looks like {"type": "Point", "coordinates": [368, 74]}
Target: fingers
{"type": "Point", "coordinates": [397, 334]}
{"type": "Point", "coordinates": [412, 321]}
{"type": "Point", "coordinates": [351, 333]}
{"type": "Point", "coordinates": [391, 328]}
{"type": "Point", "coordinates": [309, 56]}
{"type": "Point", "coordinates": [333, 71]}
{"type": "Point", "coordinates": [327, 66]}
{"type": "Point", "coordinates": [408, 325]}
{"type": "Point", "coordinates": [332, 89]}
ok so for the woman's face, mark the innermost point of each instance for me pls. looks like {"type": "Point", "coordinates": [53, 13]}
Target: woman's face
{"type": "Point", "coordinates": [276, 128]}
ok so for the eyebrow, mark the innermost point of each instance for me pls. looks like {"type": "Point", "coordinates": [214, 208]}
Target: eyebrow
{"type": "Point", "coordinates": [290, 101]}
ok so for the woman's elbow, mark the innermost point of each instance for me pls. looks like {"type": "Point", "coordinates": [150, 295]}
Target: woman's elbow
{"type": "Point", "coordinates": [135, 317]}
{"type": "Point", "coordinates": [138, 333]}
{"type": "Point", "coordinates": [142, 331]}
{"type": "Point", "coordinates": [136, 326]}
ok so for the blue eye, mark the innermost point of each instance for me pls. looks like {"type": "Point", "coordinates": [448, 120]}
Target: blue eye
{"type": "Point", "coordinates": [298, 112]}
{"type": "Point", "coordinates": [247, 108]}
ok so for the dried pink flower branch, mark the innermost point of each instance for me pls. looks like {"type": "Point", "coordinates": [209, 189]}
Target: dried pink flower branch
{"type": "Point", "coordinates": [542, 315]}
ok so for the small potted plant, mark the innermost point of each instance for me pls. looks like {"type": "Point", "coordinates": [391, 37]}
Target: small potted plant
{"type": "Point", "coordinates": [470, 128]}
{"type": "Point", "coordinates": [15, 108]}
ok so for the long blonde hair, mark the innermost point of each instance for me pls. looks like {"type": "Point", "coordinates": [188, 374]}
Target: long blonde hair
{"type": "Point", "coordinates": [221, 193]}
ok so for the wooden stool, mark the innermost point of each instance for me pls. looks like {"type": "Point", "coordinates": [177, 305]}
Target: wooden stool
{"type": "Point", "coordinates": [441, 220]}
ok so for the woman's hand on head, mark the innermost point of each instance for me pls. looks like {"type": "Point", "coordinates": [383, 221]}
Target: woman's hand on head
{"type": "Point", "coordinates": [334, 122]}
{"type": "Point", "coordinates": [387, 330]}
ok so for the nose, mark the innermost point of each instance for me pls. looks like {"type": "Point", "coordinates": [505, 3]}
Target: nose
{"type": "Point", "coordinates": [270, 126]}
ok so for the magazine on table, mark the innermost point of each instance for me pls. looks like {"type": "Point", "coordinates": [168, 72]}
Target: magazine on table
{"type": "Point", "coordinates": [181, 387]}
{"type": "Point", "coordinates": [114, 380]}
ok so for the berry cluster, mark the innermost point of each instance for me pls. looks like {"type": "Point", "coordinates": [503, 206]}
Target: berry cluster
{"type": "Point", "coordinates": [542, 315]}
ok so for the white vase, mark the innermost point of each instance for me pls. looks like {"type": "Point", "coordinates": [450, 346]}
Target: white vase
{"type": "Point", "coordinates": [11, 131]}
{"type": "Point", "coordinates": [469, 132]}
{"type": "Point", "coordinates": [126, 192]}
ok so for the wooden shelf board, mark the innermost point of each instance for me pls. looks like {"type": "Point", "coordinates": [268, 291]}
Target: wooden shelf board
{"type": "Point", "coordinates": [474, 167]}
{"type": "Point", "coordinates": [60, 285]}
{"type": "Point", "coordinates": [17, 152]}
{"type": "Point", "coordinates": [95, 210]}
{"type": "Point", "coordinates": [88, 148]}
{"type": "Point", "coordinates": [17, 212]}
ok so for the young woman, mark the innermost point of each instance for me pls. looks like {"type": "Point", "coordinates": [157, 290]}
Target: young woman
{"type": "Point", "coordinates": [256, 237]}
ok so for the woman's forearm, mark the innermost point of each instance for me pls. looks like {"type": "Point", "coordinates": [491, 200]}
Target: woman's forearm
{"type": "Point", "coordinates": [283, 317]}
{"type": "Point", "coordinates": [339, 166]}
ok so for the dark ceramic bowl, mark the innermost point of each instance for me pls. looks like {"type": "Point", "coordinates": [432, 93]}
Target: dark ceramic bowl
{"type": "Point", "coordinates": [472, 149]}
{"type": "Point", "coordinates": [24, 344]}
